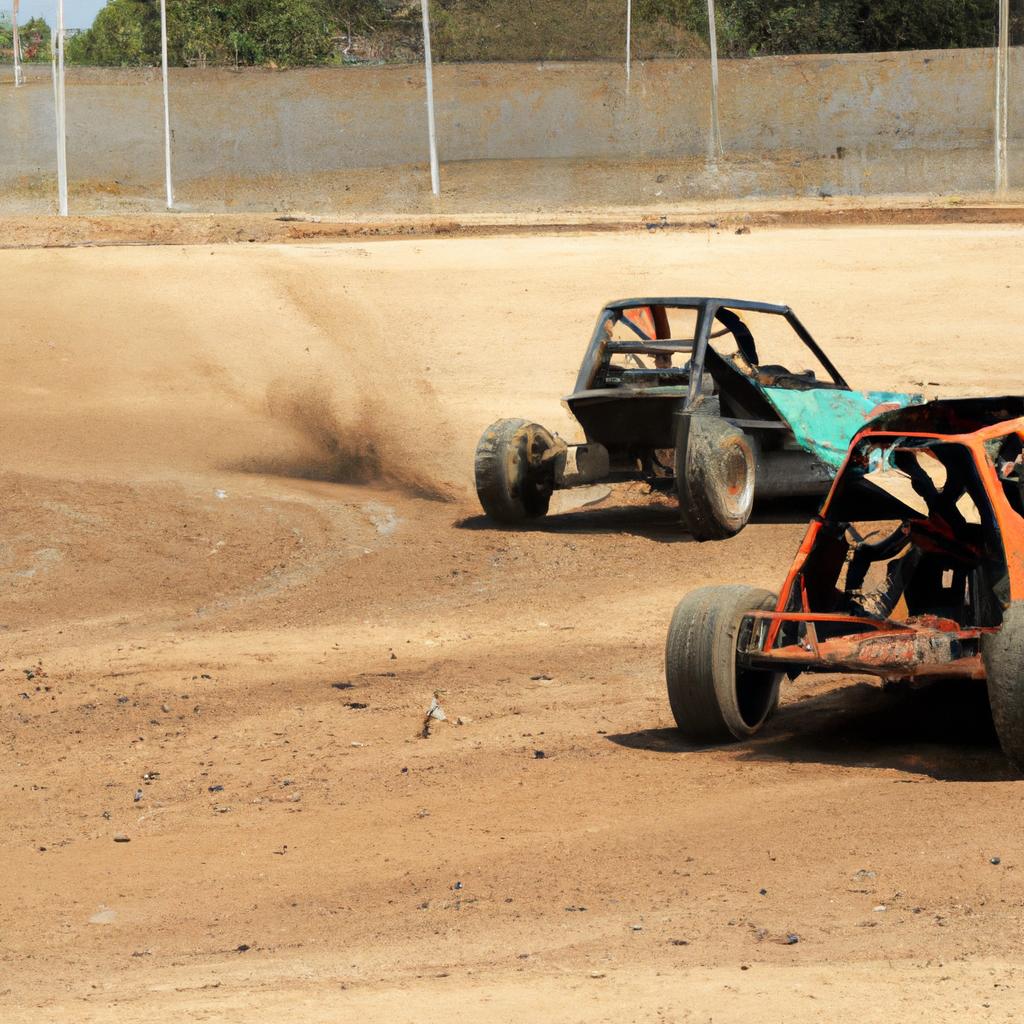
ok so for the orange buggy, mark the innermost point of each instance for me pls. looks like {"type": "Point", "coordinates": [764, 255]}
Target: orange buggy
{"type": "Point", "coordinates": [912, 570]}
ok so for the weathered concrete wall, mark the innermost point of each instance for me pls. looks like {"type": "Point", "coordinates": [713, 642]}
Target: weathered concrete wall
{"type": "Point", "coordinates": [916, 121]}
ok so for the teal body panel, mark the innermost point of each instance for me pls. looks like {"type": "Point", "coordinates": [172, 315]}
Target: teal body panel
{"type": "Point", "coordinates": [824, 420]}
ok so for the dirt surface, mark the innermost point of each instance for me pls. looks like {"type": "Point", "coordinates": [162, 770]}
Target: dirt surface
{"type": "Point", "coordinates": [451, 216]}
{"type": "Point", "coordinates": [241, 554]}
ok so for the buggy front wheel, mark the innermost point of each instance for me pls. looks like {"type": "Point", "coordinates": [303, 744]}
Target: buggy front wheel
{"type": "Point", "coordinates": [1003, 655]}
{"type": "Point", "coordinates": [513, 481]}
{"type": "Point", "coordinates": [715, 473]}
{"type": "Point", "coordinates": [713, 699]}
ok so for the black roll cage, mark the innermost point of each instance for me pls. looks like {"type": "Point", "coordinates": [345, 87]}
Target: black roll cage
{"type": "Point", "coordinates": [600, 345]}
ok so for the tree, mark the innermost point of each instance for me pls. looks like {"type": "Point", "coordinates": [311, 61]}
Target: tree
{"type": "Point", "coordinates": [35, 39]}
{"type": "Point", "coordinates": [125, 32]}
{"type": "Point", "coordinates": [277, 32]}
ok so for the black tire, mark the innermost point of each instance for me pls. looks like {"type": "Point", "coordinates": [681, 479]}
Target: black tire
{"type": "Point", "coordinates": [512, 482]}
{"type": "Point", "coordinates": [712, 701]}
{"type": "Point", "coordinates": [1003, 655]}
{"type": "Point", "coordinates": [715, 474]}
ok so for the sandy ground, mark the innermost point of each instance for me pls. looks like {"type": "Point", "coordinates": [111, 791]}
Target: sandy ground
{"type": "Point", "coordinates": [240, 553]}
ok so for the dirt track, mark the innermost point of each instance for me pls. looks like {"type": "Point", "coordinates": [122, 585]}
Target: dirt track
{"type": "Point", "coordinates": [238, 508]}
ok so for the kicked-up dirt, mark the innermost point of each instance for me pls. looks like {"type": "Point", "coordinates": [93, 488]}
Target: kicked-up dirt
{"type": "Point", "coordinates": [240, 556]}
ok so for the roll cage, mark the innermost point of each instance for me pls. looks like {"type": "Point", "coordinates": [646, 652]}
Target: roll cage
{"type": "Point", "coordinates": [702, 356]}
{"type": "Point", "coordinates": [943, 574]}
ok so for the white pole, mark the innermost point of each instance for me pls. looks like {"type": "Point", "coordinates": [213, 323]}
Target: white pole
{"type": "Point", "coordinates": [435, 173]}
{"type": "Point", "coordinates": [1002, 97]}
{"type": "Point", "coordinates": [715, 142]}
{"type": "Point", "coordinates": [167, 104]}
{"type": "Point", "coordinates": [16, 40]}
{"type": "Point", "coordinates": [62, 130]}
{"type": "Point", "coordinates": [629, 39]}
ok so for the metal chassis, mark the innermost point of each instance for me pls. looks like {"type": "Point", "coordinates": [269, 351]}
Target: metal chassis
{"type": "Point", "coordinates": [926, 647]}
{"type": "Point", "coordinates": [599, 467]}
{"type": "Point", "coordinates": [919, 648]}
{"type": "Point", "coordinates": [706, 310]}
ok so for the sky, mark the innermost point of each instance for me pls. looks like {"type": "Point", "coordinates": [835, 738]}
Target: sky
{"type": "Point", "coordinates": [77, 13]}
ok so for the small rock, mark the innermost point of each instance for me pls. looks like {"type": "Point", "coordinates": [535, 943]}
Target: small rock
{"type": "Point", "coordinates": [994, 860]}
{"type": "Point", "coordinates": [539, 754]}
{"type": "Point", "coordinates": [762, 892]}
{"type": "Point", "coordinates": [215, 789]}
{"type": "Point", "coordinates": [165, 708]}
{"type": "Point", "coordinates": [638, 927]}
{"type": "Point", "coordinates": [356, 705]}
{"type": "Point", "coordinates": [243, 948]}
{"type": "Point", "coordinates": [597, 974]}
{"type": "Point", "coordinates": [881, 908]}
{"type": "Point", "coordinates": [463, 720]}
{"type": "Point", "coordinates": [103, 916]}
{"type": "Point", "coordinates": [542, 677]}
{"type": "Point", "coordinates": [120, 837]}
{"type": "Point", "coordinates": [792, 939]}
{"type": "Point", "coordinates": [679, 942]}
{"type": "Point", "coordinates": [743, 230]}
{"type": "Point", "coordinates": [138, 795]}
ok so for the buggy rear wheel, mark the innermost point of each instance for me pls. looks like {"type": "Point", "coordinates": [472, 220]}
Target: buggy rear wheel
{"type": "Point", "coordinates": [1003, 654]}
{"type": "Point", "coordinates": [715, 471]}
{"type": "Point", "coordinates": [714, 700]}
{"type": "Point", "coordinates": [512, 482]}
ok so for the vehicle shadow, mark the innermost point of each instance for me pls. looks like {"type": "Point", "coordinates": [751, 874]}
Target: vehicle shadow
{"type": "Point", "coordinates": [657, 521]}
{"type": "Point", "coordinates": [944, 731]}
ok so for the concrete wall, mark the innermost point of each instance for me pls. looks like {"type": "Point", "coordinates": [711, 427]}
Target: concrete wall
{"type": "Point", "coordinates": [915, 121]}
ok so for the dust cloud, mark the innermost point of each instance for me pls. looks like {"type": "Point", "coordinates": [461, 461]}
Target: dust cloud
{"type": "Point", "coordinates": [369, 442]}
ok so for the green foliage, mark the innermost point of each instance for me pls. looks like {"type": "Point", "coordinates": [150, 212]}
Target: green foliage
{"type": "Point", "coordinates": [751, 27]}
{"type": "Point", "coordinates": [466, 30]}
{"type": "Point", "coordinates": [286, 33]}
{"type": "Point", "coordinates": [927, 25]}
{"type": "Point", "coordinates": [125, 32]}
{"type": "Point", "coordinates": [282, 33]}
{"type": "Point", "coordinates": [35, 39]}
{"type": "Point", "coordinates": [279, 33]}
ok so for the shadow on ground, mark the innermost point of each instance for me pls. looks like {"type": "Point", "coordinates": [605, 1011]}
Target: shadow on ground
{"type": "Point", "coordinates": [657, 521]}
{"type": "Point", "coordinates": [943, 731]}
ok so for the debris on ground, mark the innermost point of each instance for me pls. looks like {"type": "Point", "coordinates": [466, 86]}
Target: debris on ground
{"type": "Point", "coordinates": [792, 939]}
{"type": "Point", "coordinates": [120, 837]}
{"type": "Point", "coordinates": [435, 713]}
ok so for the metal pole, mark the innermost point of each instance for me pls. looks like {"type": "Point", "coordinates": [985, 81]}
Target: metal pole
{"type": "Point", "coordinates": [629, 40]}
{"type": "Point", "coordinates": [16, 40]}
{"type": "Point", "coordinates": [167, 104]}
{"type": "Point", "coordinates": [715, 142]}
{"type": "Point", "coordinates": [1002, 97]}
{"type": "Point", "coordinates": [435, 173]}
{"type": "Point", "coordinates": [62, 154]}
